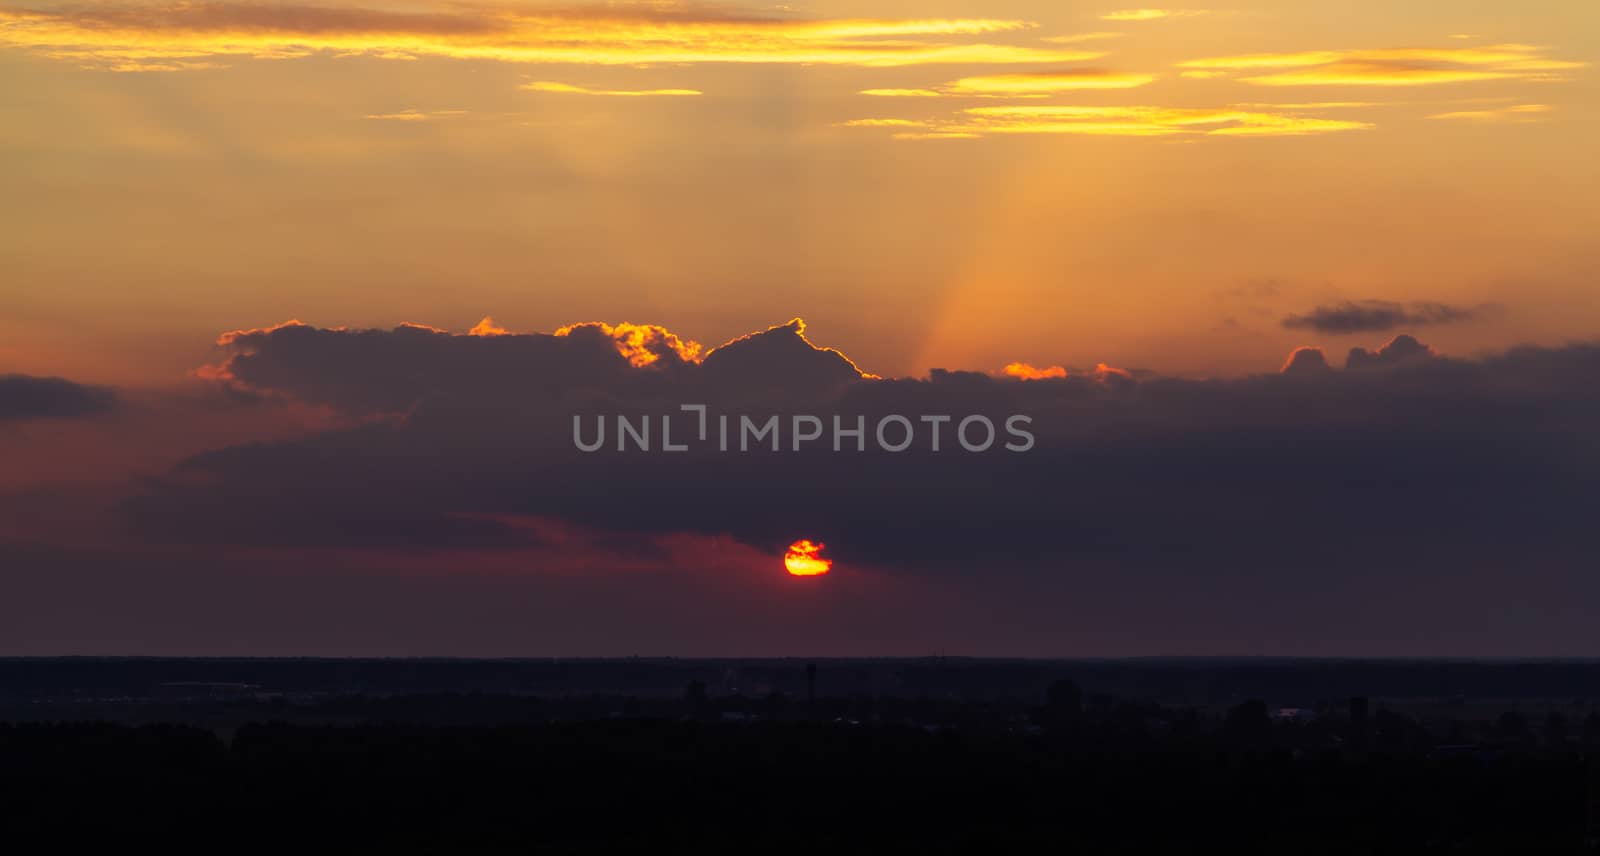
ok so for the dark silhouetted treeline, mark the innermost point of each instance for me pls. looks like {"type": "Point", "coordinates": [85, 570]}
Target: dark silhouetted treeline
{"type": "Point", "coordinates": [1190, 681]}
{"type": "Point", "coordinates": [1067, 772]}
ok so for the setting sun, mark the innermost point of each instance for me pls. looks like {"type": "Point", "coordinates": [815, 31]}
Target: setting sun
{"type": "Point", "coordinates": [804, 559]}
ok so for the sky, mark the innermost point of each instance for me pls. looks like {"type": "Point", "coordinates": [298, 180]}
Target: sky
{"type": "Point", "coordinates": [298, 301]}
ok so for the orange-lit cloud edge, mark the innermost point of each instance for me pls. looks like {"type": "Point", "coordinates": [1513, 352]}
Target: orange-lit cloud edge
{"type": "Point", "coordinates": [1028, 371]}
{"type": "Point", "coordinates": [645, 345]}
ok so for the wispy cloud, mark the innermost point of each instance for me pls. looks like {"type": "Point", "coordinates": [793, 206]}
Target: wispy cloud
{"type": "Point", "coordinates": [1388, 66]}
{"type": "Point", "coordinates": [416, 115]}
{"type": "Point", "coordinates": [1079, 38]}
{"type": "Point", "coordinates": [1152, 121]}
{"type": "Point", "coordinates": [124, 34]}
{"type": "Point", "coordinates": [883, 123]}
{"type": "Point", "coordinates": [937, 135]}
{"type": "Point", "coordinates": [1028, 84]}
{"type": "Point", "coordinates": [1517, 114]}
{"type": "Point", "coordinates": [1313, 105]}
{"type": "Point", "coordinates": [165, 65]}
{"type": "Point", "coordinates": [1038, 82]}
{"type": "Point", "coordinates": [1154, 14]}
{"type": "Point", "coordinates": [567, 88]}
{"type": "Point", "coordinates": [903, 93]}
{"type": "Point", "coordinates": [1372, 316]}
{"type": "Point", "coordinates": [1139, 121]}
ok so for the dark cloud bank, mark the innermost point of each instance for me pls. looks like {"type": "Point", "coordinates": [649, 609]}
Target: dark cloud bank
{"type": "Point", "coordinates": [1401, 451]}
{"type": "Point", "coordinates": [1407, 503]}
{"type": "Point", "coordinates": [25, 397]}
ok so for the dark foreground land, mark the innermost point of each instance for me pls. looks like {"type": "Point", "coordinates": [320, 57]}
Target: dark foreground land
{"type": "Point", "coordinates": [1169, 756]}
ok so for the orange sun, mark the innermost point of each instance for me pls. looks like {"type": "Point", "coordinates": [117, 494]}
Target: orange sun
{"type": "Point", "coordinates": [804, 559]}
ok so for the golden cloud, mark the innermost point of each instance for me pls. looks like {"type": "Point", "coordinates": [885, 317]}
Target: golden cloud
{"type": "Point", "coordinates": [1517, 114]}
{"type": "Point", "coordinates": [936, 135]}
{"type": "Point", "coordinates": [132, 34]}
{"type": "Point", "coordinates": [1027, 371]}
{"type": "Point", "coordinates": [552, 86]}
{"type": "Point", "coordinates": [642, 344]}
{"type": "Point", "coordinates": [1314, 105]}
{"type": "Point", "coordinates": [1037, 82]}
{"type": "Point", "coordinates": [1388, 66]}
{"type": "Point", "coordinates": [487, 327]}
{"type": "Point", "coordinates": [1140, 121]}
{"type": "Point", "coordinates": [883, 123]}
{"type": "Point", "coordinates": [1153, 14]}
{"type": "Point", "coordinates": [1076, 38]}
{"type": "Point", "coordinates": [903, 93]}
{"type": "Point", "coordinates": [1029, 84]}
{"type": "Point", "coordinates": [415, 115]}
{"type": "Point", "coordinates": [1101, 372]}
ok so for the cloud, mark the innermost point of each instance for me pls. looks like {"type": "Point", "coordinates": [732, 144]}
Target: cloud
{"type": "Point", "coordinates": [487, 327]}
{"type": "Point", "coordinates": [1389, 66]}
{"type": "Point", "coordinates": [1101, 373]}
{"type": "Point", "coordinates": [1045, 82]}
{"type": "Point", "coordinates": [883, 123]}
{"type": "Point", "coordinates": [390, 371]}
{"type": "Point", "coordinates": [781, 359]}
{"type": "Point", "coordinates": [936, 135]}
{"type": "Point", "coordinates": [142, 67]}
{"type": "Point", "coordinates": [1031, 84]}
{"type": "Point", "coordinates": [551, 86]}
{"type": "Point", "coordinates": [641, 344]}
{"type": "Point", "coordinates": [1371, 316]}
{"type": "Point", "coordinates": [1399, 351]}
{"type": "Point", "coordinates": [23, 397]}
{"type": "Point", "coordinates": [133, 34]}
{"type": "Point", "coordinates": [412, 115]}
{"type": "Point", "coordinates": [1079, 38]}
{"type": "Point", "coordinates": [903, 93]}
{"type": "Point", "coordinates": [1312, 105]}
{"type": "Point", "coordinates": [395, 371]}
{"type": "Point", "coordinates": [1518, 114]}
{"type": "Point", "coordinates": [1306, 362]}
{"type": "Point", "coordinates": [1135, 121]}
{"type": "Point", "coordinates": [1133, 471]}
{"type": "Point", "coordinates": [1153, 14]}
{"type": "Point", "coordinates": [1025, 371]}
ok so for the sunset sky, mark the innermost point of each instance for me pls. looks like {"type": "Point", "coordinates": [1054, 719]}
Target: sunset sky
{"type": "Point", "coordinates": [1179, 196]}
{"type": "Point", "coordinates": [1142, 190]}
